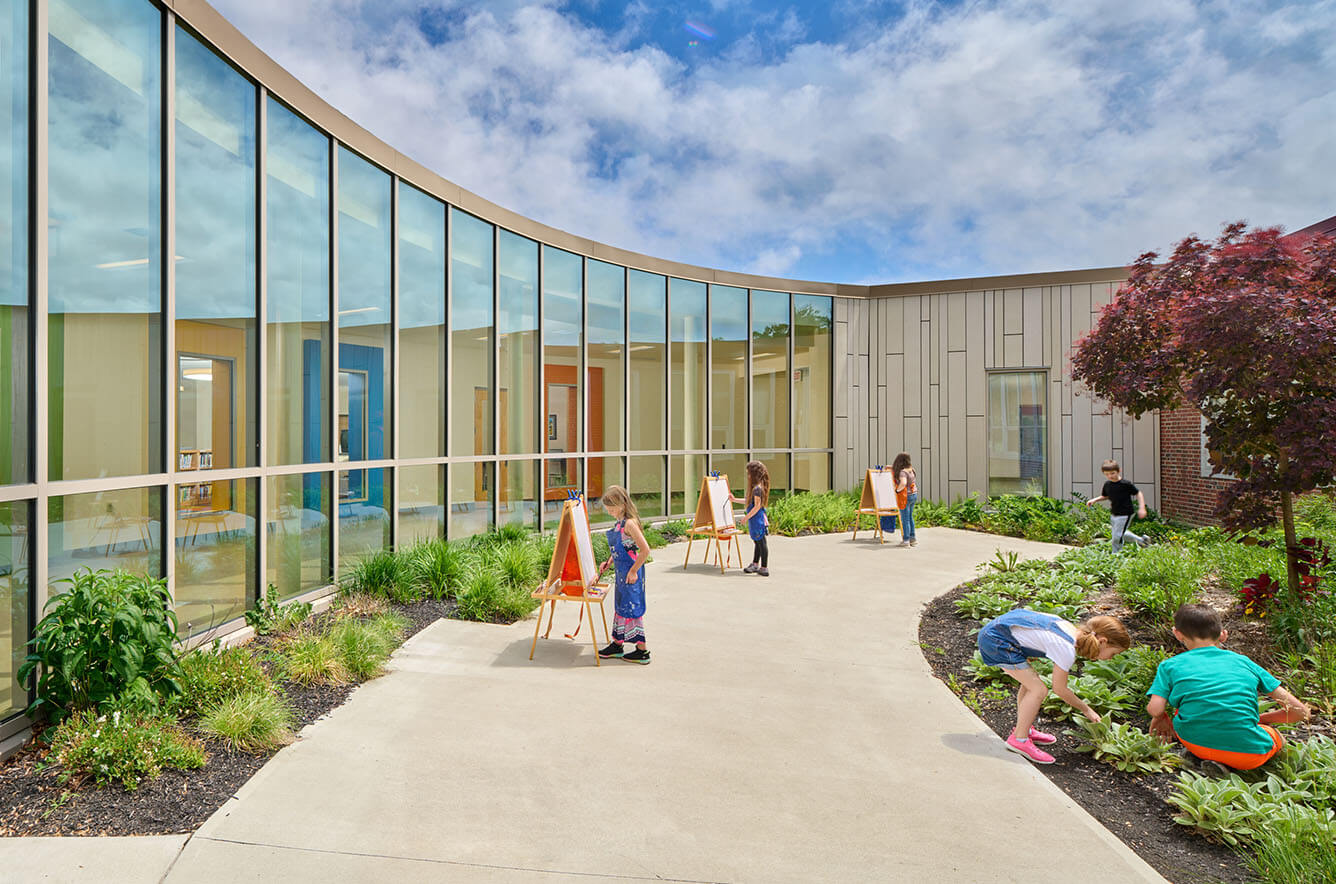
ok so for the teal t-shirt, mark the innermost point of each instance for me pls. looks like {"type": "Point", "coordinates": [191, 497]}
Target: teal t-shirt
{"type": "Point", "coordinates": [1215, 692]}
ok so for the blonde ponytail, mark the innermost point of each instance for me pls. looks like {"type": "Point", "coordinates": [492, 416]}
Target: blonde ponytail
{"type": "Point", "coordinates": [1108, 628]}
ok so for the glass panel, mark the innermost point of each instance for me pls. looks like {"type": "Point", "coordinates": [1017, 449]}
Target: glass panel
{"type": "Point", "coordinates": [687, 327]}
{"type": "Point", "coordinates": [1017, 433]}
{"type": "Point", "coordinates": [519, 501]}
{"type": "Point", "coordinates": [421, 504]}
{"type": "Point", "coordinates": [15, 553]}
{"type": "Point", "coordinates": [735, 467]}
{"type": "Point", "coordinates": [811, 371]}
{"type": "Point", "coordinates": [215, 271]}
{"type": "Point", "coordinates": [602, 472]}
{"type": "Point", "coordinates": [13, 264]}
{"type": "Point", "coordinates": [687, 470]}
{"type": "Point", "coordinates": [106, 529]}
{"type": "Point", "coordinates": [778, 465]}
{"type": "Point", "coordinates": [470, 336]}
{"type": "Point", "coordinates": [728, 331]}
{"type": "Point", "coordinates": [421, 325]}
{"type": "Point", "coordinates": [297, 273]}
{"type": "Point", "coordinates": [606, 297]}
{"type": "Point", "coordinates": [647, 480]}
{"type": "Point", "coordinates": [562, 295]}
{"type": "Point", "coordinates": [517, 360]}
{"type": "Point", "coordinates": [770, 370]}
{"type": "Point", "coordinates": [364, 309]}
{"type": "Point", "coordinates": [811, 472]}
{"type": "Point", "coordinates": [470, 498]}
{"type": "Point", "coordinates": [297, 533]}
{"type": "Point", "coordinates": [105, 263]}
{"type": "Point", "coordinates": [364, 515]}
{"type": "Point", "coordinates": [645, 299]}
{"type": "Point", "coordinates": [215, 552]}
{"type": "Point", "coordinates": [560, 477]}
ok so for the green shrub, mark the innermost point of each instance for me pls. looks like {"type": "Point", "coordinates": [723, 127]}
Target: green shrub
{"type": "Point", "coordinates": [983, 604]}
{"type": "Point", "coordinates": [1235, 562]}
{"type": "Point", "coordinates": [1232, 810]}
{"type": "Point", "coordinates": [488, 598]}
{"type": "Point", "coordinates": [109, 635]}
{"type": "Point", "coordinates": [1133, 670]}
{"type": "Point", "coordinates": [384, 573]}
{"type": "Point", "coordinates": [1157, 580]}
{"type": "Point", "coordinates": [1127, 748]}
{"type": "Point", "coordinates": [511, 533]}
{"type": "Point", "coordinates": [516, 564]}
{"type": "Point", "coordinates": [257, 721]}
{"type": "Point", "coordinates": [363, 646]}
{"type": "Point", "coordinates": [601, 548]}
{"type": "Point", "coordinates": [1294, 849]}
{"type": "Point", "coordinates": [438, 568]}
{"type": "Point", "coordinates": [981, 671]}
{"type": "Point", "coordinates": [1102, 696]}
{"type": "Point", "coordinates": [1318, 511]}
{"type": "Point", "coordinates": [676, 529]}
{"type": "Point", "coordinates": [1311, 675]}
{"type": "Point", "coordinates": [827, 513]}
{"type": "Point", "coordinates": [655, 538]}
{"type": "Point", "coordinates": [270, 617]}
{"type": "Point", "coordinates": [1297, 624]}
{"type": "Point", "coordinates": [212, 675]}
{"type": "Point", "coordinates": [1097, 562]}
{"type": "Point", "coordinates": [121, 747]}
{"type": "Point", "coordinates": [310, 658]}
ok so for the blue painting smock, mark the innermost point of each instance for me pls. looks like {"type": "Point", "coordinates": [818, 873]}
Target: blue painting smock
{"type": "Point", "coordinates": [629, 597]}
{"type": "Point", "coordinates": [759, 522]}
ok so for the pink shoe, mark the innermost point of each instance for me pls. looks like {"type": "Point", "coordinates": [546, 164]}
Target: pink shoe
{"type": "Point", "coordinates": [1029, 750]}
{"type": "Point", "coordinates": [1041, 737]}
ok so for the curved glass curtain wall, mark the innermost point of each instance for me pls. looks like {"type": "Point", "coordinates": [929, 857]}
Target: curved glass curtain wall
{"type": "Point", "coordinates": [520, 371]}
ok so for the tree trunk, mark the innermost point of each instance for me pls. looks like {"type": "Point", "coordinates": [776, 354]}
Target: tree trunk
{"type": "Point", "coordinates": [1291, 544]}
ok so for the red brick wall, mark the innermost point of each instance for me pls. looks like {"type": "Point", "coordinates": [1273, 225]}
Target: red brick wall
{"type": "Point", "coordinates": [1185, 494]}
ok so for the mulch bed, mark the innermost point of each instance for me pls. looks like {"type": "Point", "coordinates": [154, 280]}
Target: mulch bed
{"type": "Point", "coordinates": [34, 802]}
{"type": "Point", "coordinates": [1133, 808]}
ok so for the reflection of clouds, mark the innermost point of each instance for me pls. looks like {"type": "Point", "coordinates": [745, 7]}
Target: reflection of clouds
{"type": "Point", "coordinates": [298, 220]}
{"type": "Point", "coordinates": [421, 259]}
{"type": "Point", "coordinates": [364, 242]}
{"type": "Point", "coordinates": [470, 271]}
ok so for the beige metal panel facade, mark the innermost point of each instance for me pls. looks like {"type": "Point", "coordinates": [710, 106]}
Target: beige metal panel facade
{"type": "Point", "coordinates": [919, 368]}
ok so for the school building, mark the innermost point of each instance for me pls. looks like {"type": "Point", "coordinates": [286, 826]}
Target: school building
{"type": "Point", "coordinates": [245, 342]}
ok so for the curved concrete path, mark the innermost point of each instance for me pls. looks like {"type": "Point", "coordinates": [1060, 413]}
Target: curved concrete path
{"type": "Point", "coordinates": [787, 730]}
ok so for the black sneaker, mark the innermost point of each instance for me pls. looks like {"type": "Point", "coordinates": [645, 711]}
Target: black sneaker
{"type": "Point", "coordinates": [637, 656]}
{"type": "Point", "coordinates": [764, 572]}
{"type": "Point", "coordinates": [613, 650]}
{"type": "Point", "coordinates": [751, 569]}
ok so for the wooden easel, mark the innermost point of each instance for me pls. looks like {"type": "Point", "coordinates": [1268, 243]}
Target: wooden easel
{"type": "Point", "coordinates": [714, 521]}
{"type": "Point", "coordinates": [878, 499]}
{"type": "Point", "coordinates": [572, 575]}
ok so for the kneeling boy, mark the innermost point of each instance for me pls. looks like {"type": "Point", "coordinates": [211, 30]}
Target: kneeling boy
{"type": "Point", "coordinates": [1215, 692]}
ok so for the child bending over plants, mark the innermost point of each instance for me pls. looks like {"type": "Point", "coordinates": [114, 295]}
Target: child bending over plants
{"type": "Point", "coordinates": [1010, 640]}
{"type": "Point", "coordinates": [1215, 694]}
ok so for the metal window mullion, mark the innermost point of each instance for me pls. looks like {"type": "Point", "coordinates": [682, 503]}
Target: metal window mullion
{"type": "Point", "coordinates": [261, 347]}
{"type": "Point", "coordinates": [539, 409]}
{"type": "Point", "coordinates": [332, 427]}
{"type": "Point", "coordinates": [626, 368]}
{"type": "Point", "coordinates": [449, 374]}
{"type": "Point", "coordinates": [793, 324]}
{"type": "Point", "coordinates": [667, 438]}
{"type": "Point", "coordinates": [709, 374]}
{"type": "Point", "coordinates": [168, 356]}
{"type": "Point", "coordinates": [39, 155]}
{"type": "Point", "coordinates": [587, 400]}
{"type": "Point", "coordinates": [393, 502]}
{"type": "Point", "coordinates": [495, 390]}
{"type": "Point", "coordinates": [748, 438]}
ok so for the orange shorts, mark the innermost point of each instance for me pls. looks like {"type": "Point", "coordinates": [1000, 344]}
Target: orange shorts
{"type": "Point", "coordinates": [1238, 760]}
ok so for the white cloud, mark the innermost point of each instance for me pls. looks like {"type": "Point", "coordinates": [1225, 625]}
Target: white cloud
{"type": "Point", "coordinates": [1005, 136]}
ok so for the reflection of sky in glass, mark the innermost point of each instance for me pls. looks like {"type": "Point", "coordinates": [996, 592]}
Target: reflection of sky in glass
{"type": "Point", "coordinates": [364, 242]}
{"type": "Point", "coordinates": [688, 319]}
{"type": "Point", "coordinates": [769, 310]}
{"type": "Point", "coordinates": [215, 186]}
{"type": "Point", "coordinates": [14, 158]}
{"type": "Point", "coordinates": [606, 300]}
{"type": "Point", "coordinates": [728, 313]}
{"type": "Point", "coordinates": [470, 271]}
{"type": "Point", "coordinates": [297, 212]}
{"type": "Point", "coordinates": [105, 153]}
{"type": "Point", "coordinates": [645, 300]}
{"type": "Point", "coordinates": [561, 298]}
{"type": "Point", "coordinates": [421, 259]}
{"type": "Point", "coordinates": [517, 277]}
{"type": "Point", "coordinates": [812, 314]}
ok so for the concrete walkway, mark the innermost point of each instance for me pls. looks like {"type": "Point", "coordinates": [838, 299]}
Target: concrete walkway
{"type": "Point", "coordinates": [787, 730]}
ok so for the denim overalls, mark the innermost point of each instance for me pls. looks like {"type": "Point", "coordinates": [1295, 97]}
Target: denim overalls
{"type": "Point", "coordinates": [998, 646]}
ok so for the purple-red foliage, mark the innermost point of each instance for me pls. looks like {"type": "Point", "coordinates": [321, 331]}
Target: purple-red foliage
{"type": "Point", "coordinates": [1244, 329]}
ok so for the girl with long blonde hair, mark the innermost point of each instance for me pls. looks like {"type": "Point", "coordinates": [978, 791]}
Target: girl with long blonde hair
{"type": "Point", "coordinates": [629, 551]}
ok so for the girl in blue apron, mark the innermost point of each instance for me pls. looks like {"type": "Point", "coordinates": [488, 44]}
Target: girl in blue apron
{"type": "Point", "coordinates": [629, 553]}
{"type": "Point", "coordinates": [1010, 640]}
{"type": "Point", "coordinates": [758, 523]}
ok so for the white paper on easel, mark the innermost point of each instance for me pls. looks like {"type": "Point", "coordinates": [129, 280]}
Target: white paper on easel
{"type": "Point", "coordinates": [584, 545]}
{"type": "Point", "coordinates": [720, 504]}
{"type": "Point", "coordinates": [883, 489]}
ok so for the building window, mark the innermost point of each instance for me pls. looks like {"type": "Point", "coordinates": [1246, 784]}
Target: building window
{"type": "Point", "coordinates": [645, 304]}
{"type": "Point", "coordinates": [1017, 433]}
{"type": "Point", "coordinates": [687, 329]}
{"type": "Point", "coordinates": [1207, 470]}
{"type": "Point", "coordinates": [728, 369]}
{"type": "Point", "coordinates": [770, 370]}
{"type": "Point", "coordinates": [297, 533]}
{"type": "Point", "coordinates": [606, 286]}
{"type": "Point", "coordinates": [215, 552]}
{"type": "Point", "coordinates": [813, 320]}
{"type": "Point", "coordinates": [14, 376]}
{"type": "Point", "coordinates": [421, 324]}
{"type": "Point", "coordinates": [15, 553]}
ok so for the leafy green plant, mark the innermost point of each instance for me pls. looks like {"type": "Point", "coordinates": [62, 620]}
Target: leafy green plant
{"type": "Point", "coordinates": [360, 605]}
{"type": "Point", "coordinates": [1002, 562]}
{"type": "Point", "coordinates": [256, 721]}
{"type": "Point", "coordinates": [983, 604]}
{"type": "Point", "coordinates": [1133, 670]}
{"type": "Point", "coordinates": [109, 634]}
{"type": "Point", "coordinates": [676, 528]}
{"type": "Point", "coordinates": [1127, 748]}
{"type": "Point", "coordinates": [517, 566]}
{"type": "Point", "coordinates": [488, 598]}
{"type": "Point", "coordinates": [211, 675]}
{"type": "Point", "coordinates": [1295, 849]}
{"type": "Point", "coordinates": [270, 617]}
{"type": "Point", "coordinates": [439, 568]}
{"type": "Point", "coordinates": [364, 645]}
{"type": "Point", "coordinates": [385, 573]}
{"type": "Point", "coordinates": [1312, 675]}
{"type": "Point", "coordinates": [1102, 696]}
{"type": "Point", "coordinates": [1234, 811]}
{"type": "Point", "coordinates": [1157, 580]}
{"type": "Point", "coordinates": [122, 748]}
{"type": "Point", "coordinates": [310, 658]}
{"type": "Point", "coordinates": [981, 671]}
{"type": "Point", "coordinates": [1097, 562]}
{"type": "Point", "coordinates": [1310, 767]}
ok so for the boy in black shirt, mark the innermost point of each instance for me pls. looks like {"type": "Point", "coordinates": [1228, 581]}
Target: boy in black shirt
{"type": "Point", "coordinates": [1120, 493]}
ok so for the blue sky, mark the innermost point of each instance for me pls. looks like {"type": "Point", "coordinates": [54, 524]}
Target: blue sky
{"type": "Point", "coordinates": [852, 140]}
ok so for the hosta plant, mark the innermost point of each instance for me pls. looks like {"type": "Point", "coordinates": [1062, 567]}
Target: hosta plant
{"type": "Point", "coordinates": [1127, 748]}
{"type": "Point", "coordinates": [983, 604]}
{"type": "Point", "coordinates": [1234, 811]}
{"type": "Point", "coordinates": [1103, 697]}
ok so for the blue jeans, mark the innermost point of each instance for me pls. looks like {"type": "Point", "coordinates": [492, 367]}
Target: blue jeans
{"type": "Point", "coordinates": [888, 523]}
{"type": "Point", "coordinates": [907, 516]}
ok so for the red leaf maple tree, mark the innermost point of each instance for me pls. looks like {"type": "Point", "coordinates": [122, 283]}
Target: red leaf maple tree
{"type": "Point", "coordinates": [1243, 329]}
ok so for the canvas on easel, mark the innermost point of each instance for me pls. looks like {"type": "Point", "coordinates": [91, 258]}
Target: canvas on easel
{"type": "Point", "coordinates": [572, 575]}
{"type": "Point", "coordinates": [715, 521]}
{"type": "Point", "coordinates": [878, 499]}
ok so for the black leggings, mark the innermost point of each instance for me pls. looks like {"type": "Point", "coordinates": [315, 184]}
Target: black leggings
{"type": "Point", "coordinates": [762, 553]}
